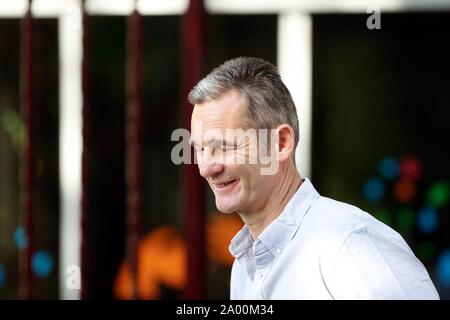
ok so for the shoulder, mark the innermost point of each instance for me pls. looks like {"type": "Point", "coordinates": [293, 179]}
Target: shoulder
{"type": "Point", "coordinates": [334, 222]}
{"type": "Point", "coordinates": [374, 262]}
{"type": "Point", "coordinates": [342, 225]}
{"type": "Point", "coordinates": [375, 265]}
{"type": "Point", "coordinates": [362, 258]}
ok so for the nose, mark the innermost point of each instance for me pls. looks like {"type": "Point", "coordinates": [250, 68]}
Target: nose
{"type": "Point", "coordinates": [210, 169]}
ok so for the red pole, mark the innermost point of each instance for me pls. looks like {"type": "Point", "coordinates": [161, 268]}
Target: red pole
{"type": "Point", "coordinates": [86, 253]}
{"type": "Point", "coordinates": [28, 155]}
{"type": "Point", "coordinates": [133, 160]}
{"type": "Point", "coordinates": [193, 189]}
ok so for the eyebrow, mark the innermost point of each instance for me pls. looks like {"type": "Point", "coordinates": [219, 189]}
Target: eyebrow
{"type": "Point", "coordinates": [194, 143]}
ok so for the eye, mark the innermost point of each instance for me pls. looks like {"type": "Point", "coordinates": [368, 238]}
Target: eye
{"type": "Point", "coordinates": [198, 149]}
{"type": "Point", "coordinates": [231, 147]}
{"type": "Point", "coordinates": [228, 146]}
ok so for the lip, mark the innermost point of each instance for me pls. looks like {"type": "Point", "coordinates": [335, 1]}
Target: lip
{"type": "Point", "coordinates": [226, 187]}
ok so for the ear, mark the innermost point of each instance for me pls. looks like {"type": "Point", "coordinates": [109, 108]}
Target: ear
{"type": "Point", "coordinates": [286, 142]}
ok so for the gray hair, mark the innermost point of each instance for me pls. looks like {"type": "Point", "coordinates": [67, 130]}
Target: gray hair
{"type": "Point", "coordinates": [269, 102]}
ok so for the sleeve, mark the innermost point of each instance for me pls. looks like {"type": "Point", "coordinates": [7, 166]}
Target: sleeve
{"type": "Point", "coordinates": [374, 265]}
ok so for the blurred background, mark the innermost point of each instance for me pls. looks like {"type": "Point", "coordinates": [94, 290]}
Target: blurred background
{"type": "Point", "coordinates": [91, 91]}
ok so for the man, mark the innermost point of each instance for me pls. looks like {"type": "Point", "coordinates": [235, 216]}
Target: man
{"type": "Point", "coordinates": [295, 243]}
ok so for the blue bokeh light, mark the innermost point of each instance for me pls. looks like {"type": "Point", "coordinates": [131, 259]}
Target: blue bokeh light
{"type": "Point", "coordinates": [427, 220]}
{"type": "Point", "coordinates": [42, 264]}
{"type": "Point", "coordinates": [373, 189]}
{"type": "Point", "coordinates": [389, 168]}
{"type": "Point", "coordinates": [2, 276]}
{"type": "Point", "coordinates": [20, 237]}
{"type": "Point", "coordinates": [443, 268]}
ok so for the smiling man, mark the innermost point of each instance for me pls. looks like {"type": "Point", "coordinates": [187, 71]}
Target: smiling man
{"type": "Point", "coordinates": [295, 243]}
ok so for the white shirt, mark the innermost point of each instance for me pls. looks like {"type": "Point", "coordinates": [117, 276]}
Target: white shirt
{"type": "Point", "coordinates": [319, 248]}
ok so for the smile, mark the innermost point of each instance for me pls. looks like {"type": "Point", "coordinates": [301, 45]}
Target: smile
{"type": "Point", "coordinates": [226, 186]}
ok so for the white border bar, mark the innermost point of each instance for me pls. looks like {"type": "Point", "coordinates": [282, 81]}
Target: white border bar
{"type": "Point", "coordinates": [164, 7]}
{"type": "Point", "coordinates": [13, 8]}
{"type": "Point", "coordinates": [320, 6]}
{"type": "Point", "coordinates": [53, 8]}
{"type": "Point", "coordinates": [110, 7]}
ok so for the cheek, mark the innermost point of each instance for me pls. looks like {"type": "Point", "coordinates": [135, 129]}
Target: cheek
{"type": "Point", "coordinates": [250, 177]}
{"type": "Point", "coordinates": [261, 182]}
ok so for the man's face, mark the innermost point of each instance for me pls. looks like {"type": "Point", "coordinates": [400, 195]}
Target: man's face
{"type": "Point", "coordinates": [237, 186]}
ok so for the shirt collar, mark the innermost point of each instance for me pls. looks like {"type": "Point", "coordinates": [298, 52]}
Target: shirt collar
{"type": "Point", "coordinates": [280, 231]}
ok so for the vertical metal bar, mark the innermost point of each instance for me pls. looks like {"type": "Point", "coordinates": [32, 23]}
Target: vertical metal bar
{"type": "Point", "coordinates": [133, 127]}
{"type": "Point", "coordinates": [86, 253]}
{"type": "Point", "coordinates": [193, 189]}
{"type": "Point", "coordinates": [294, 51]}
{"type": "Point", "coordinates": [28, 156]}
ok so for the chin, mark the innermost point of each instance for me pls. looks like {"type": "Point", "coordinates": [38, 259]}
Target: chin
{"type": "Point", "coordinates": [225, 208]}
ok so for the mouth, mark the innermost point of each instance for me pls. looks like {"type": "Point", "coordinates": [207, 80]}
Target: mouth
{"type": "Point", "coordinates": [226, 186]}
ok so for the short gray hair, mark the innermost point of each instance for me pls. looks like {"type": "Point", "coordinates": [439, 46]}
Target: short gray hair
{"type": "Point", "coordinates": [269, 102]}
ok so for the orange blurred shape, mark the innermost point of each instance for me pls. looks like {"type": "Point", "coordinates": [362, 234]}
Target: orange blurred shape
{"type": "Point", "coordinates": [220, 230]}
{"type": "Point", "coordinates": [162, 257]}
{"type": "Point", "coordinates": [404, 191]}
{"type": "Point", "coordinates": [161, 260]}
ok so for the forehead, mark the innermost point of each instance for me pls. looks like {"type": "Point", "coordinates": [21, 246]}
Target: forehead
{"type": "Point", "coordinates": [225, 112]}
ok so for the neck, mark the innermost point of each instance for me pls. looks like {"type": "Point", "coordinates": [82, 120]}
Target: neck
{"type": "Point", "coordinates": [289, 182]}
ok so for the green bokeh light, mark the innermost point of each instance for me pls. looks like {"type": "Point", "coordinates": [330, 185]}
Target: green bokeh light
{"type": "Point", "coordinates": [426, 251]}
{"type": "Point", "coordinates": [384, 216]}
{"type": "Point", "coordinates": [405, 220]}
{"type": "Point", "coordinates": [438, 194]}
